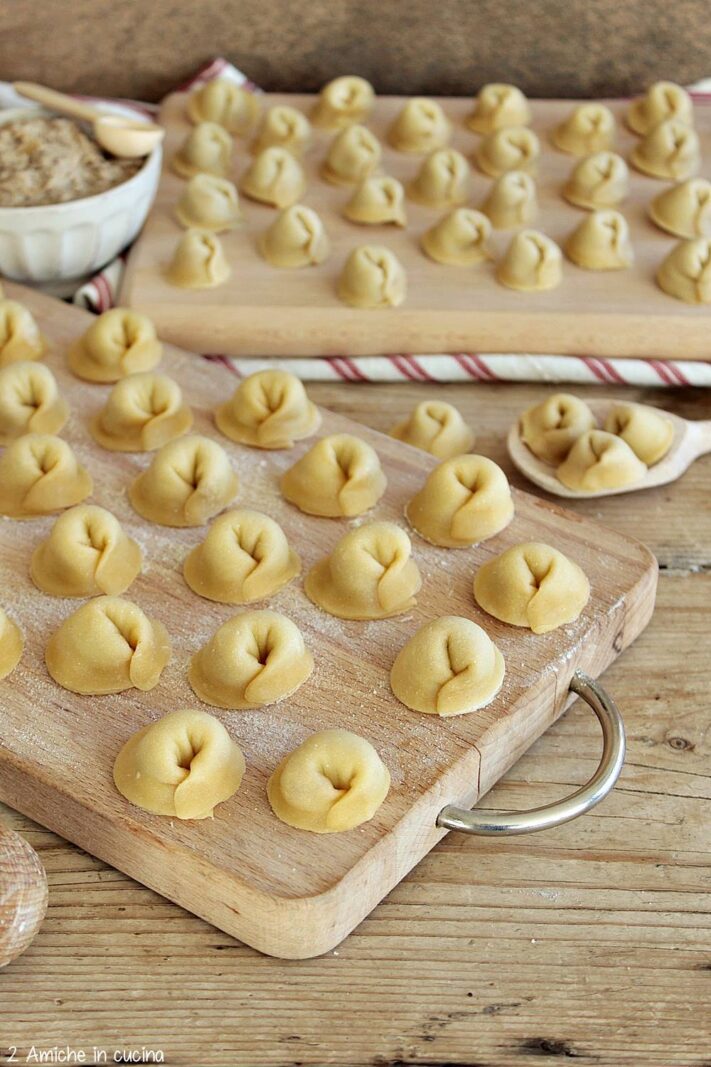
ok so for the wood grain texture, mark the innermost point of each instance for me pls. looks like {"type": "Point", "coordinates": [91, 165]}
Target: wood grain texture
{"type": "Point", "coordinates": [589, 942]}
{"type": "Point", "coordinates": [261, 310]}
{"type": "Point", "coordinates": [286, 892]}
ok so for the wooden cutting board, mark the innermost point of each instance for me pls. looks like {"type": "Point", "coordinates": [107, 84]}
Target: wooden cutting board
{"type": "Point", "coordinates": [263, 311]}
{"type": "Point", "coordinates": [284, 891]}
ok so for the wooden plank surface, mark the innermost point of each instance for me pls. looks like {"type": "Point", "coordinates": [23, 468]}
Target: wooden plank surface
{"type": "Point", "coordinates": [264, 311]}
{"type": "Point", "coordinates": [589, 942]}
{"type": "Point", "coordinates": [283, 891]}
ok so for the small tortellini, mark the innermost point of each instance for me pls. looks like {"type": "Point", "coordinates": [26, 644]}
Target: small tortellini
{"type": "Point", "coordinates": [343, 102]}
{"type": "Point", "coordinates": [589, 128]}
{"type": "Point", "coordinates": [601, 241]}
{"type": "Point", "coordinates": [498, 105]}
{"type": "Point", "coordinates": [663, 100]}
{"type": "Point", "coordinates": [551, 428]}
{"type": "Point", "coordinates": [442, 181]}
{"type": "Point", "coordinates": [40, 474]}
{"type": "Point", "coordinates": [465, 500]}
{"type": "Point", "coordinates": [670, 151]}
{"type": "Point", "coordinates": [274, 177]}
{"type": "Point", "coordinates": [372, 277]}
{"type": "Point", "coordinates": [209, 203]}
{"type": "Point", "coordinates": [268, 409]}
{"type": "Point", "coordinates": [189, 480]}
{"type": "Point", "coordinates": [648, 433]}
{"type": "Point", "coordinates": [118, 342]}
{"type": "Point", "coordinates": [142, 413]}
{"type": "Point", "coordinates": [354, 154]}
{"type": "Point", "coordinates": [510, 148]}
{"type": "Point", "coordinates": [421, 126]}
{"type": "Point", "coordinates": [207, 149]}
{"type": "Point", "coordinates": [20, 336]}
{"type": "Point", "coordinates": [435, 427]}
{"type": "Point", "coordinates": [339, 477]}
{"type": "Point", "coordinates": [685, 273]}
{"type": "Point", "coordinates": [296, 238]}
{"type": "Point", "coordinates": [198, 261]}
{"type": "Point", "coordinates": [30, 401]}
{"type": "Point", "coordinates": [599, 460]}
{"type": "Point", "coordinates": [532, 263]}
{"type": "Point", "coordinates": [86, 554]}
{"type": "Point", "coordinates": [284, 126]}
{"type": "Point", "coordinates": [224, 102]}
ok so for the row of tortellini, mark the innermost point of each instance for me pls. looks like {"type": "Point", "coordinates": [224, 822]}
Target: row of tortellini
{"type": "Point", "coordinates": [563, 432]}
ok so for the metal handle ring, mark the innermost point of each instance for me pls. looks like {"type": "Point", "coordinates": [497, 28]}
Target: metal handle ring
{"type": "Point", "coordinates": [527, 822]}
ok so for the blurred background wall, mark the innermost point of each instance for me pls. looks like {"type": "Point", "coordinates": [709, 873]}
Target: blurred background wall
{"type": "Point", "coordinates": [569, 48]}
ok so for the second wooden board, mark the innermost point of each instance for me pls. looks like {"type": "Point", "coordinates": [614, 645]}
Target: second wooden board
{"type": "Point", "coordinates": [263, 311]}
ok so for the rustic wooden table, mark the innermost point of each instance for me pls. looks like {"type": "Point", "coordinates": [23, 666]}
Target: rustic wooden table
{"type": "Point", "coordinates": [590, 942]}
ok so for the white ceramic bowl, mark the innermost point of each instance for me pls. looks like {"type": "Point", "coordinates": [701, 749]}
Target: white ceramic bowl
{"type": "Point", "coordinates": [56, 246]}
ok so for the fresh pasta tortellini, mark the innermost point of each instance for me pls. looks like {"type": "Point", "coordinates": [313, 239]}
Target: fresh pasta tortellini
{"type": "Point", "coordinates": [334, 781]}
{"type": "Point", "coordinates": [29, 401]}
{"type": "Point", "coordinates": [339, 477]}
{"type": "Point", "coordinates": [86, 554]}
{"type": "Point", "coordinates": [460, 239]}
{"type": "Point", "coordinates": [296, 238]}
{"type": "Point", "coordinates": [252, 660]}
{"type": "Point", "coordinates": [532, 263]}
{"type": "Point", "coordinates": [512, 201]}
{"type": "Point", "coordinates": [354, 154]}
{"type": "Point", "coordinates": [685, 272]}
{"type": "Point", "coordinates": [268, 409]}
{"type": "Point", "coordinates": [12, 644]}
{"type": "Point", "coordinates": [421, 126]}
{"type": "Point", "coordinates": [368, 575]}
{"type": "Point", "coordinates": [207, 149]}
{"type": "Point", "coordinates": [532, 585]}
{"type": "Point", "coordinates": [599, 461]}
{"type": "Point", "coordinates": [142, 413]}
{"type": "Point", "coordinates": [372, 277]}
{"type": "Point", "coordinates": [20, 336]}
{"type": "Point", "coordinates": [551, 428]}
{"type": "Point", "coordinates": [465, 500]}
{"type": "Point", "coordinates": [106, 646]}
{"type": "Point", "coordinates": [589, 128]}
{"type": "Point", "coordinates": [189, 480]}
{"type": "Point", "coordinates": [118, 342]}
{"type": "Point", "coordinates": [183, 765]}
{"type": "Point", "coordinates": [245, 557]}
{"type": "Point", "coordinates": [442, 181]}
{"type": "Point", "coordinates": [510, 148]}
{"type": "Point", "coordinates": [284, 126]}
{"type": "Point", "coordinates": [598, 181]}
{"type": "Point", "coordinates": [670, 151]}
{"type": "Point", "coordinates": [198, 261]}
{"type": "Point", "coordinates": [648, 433]}
{"type": "Point", "coordinates": [449, 667]}
{"type": "Point", "coordinates": [437, 428]}
{"type": "Point", "coordinates": [498, 105]}
{"type": "Point", "coordinates": [224, 102]}
{"type": "Point", "coordinates": [343, 102]}
{"type": "Point", "coordinates": [377, 201]}
{"type": "Point", "coordinates": [274, 177]}
{"type": "Point", "coordinates": [209, 203]}
{"type": "Point", "coordinates": [40, 474]}
{"type": "Point", "coordinates": [601, 242]}
{"type": "Point", "coordinates": [685, 209]}
{"type": "Point", "coordinates": [663, 100]}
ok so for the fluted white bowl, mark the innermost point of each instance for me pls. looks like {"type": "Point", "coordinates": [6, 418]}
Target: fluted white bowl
{"type": "Point", "coordinates": [56, 246]}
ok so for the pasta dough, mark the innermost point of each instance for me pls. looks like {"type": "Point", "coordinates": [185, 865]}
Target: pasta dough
{"type": "Point", "coordinates": [512, 201]}
{"type": "Point", "coordinates": [284, 126]}
{"type": "Point", "coordinates": [40, 474]}
{"type": "Point", "coordinates": [598, 461]}
{"type": "Point", "coordinates": [86, 554]}
{"type": "Point", "coordinates": [20, 336]}
{"type": "Point", "coordinates": [354, 154]}
{"type": "Point", "coordinates": [449, 667]}
{"type": "Point", "coordinates": [377, 201]}
{"type": "Point", "coordinates": [209, 203]}
{"type": "Point", "coordinates": [368, 575]}
{"type": "Point", "coordinates": [589, 128]}
{"type": "Point", "coordinates": [118, 342]}
{"type": "Point", "coordinates": [464, 501]}
{"type": "Point", "coordinates": [532, 263]}
{"type": "Point", "coordinates": [686, 272]}
{"type": "Point", "coordinates": [421, 126]}
{"type": "Point", "coordinates": [227, 104]}
{"type": "Point", "coordinates": [442, 181]}
{"type": "Point", "coordinates": [663, 100]}
{"type": "Point", "coordinates": [437, 428]}
{"type": "Point", "coordinates": [601, 242]}
{"type": "Point", "coordinates": [296, 238]}
{"type": "Point", "coordinates": [372, 277]}
{"type": "Point", "coordinates": [532, 585]}
{"type": "Point", "coordinates": [334, 781]}
{"type": "Point", "coordinates": [12, 645]}
{"type": "Point", "coordinates": [253, 659]}
{"type": "Point", "coordinates": [198, 261]}
{"type": "Point", "coordinates": [275, 177]}
{"type": "Point", "coordinates": [207, 149]}
{"type": "Point", "coordinates": [685, 209]}
{"type": "Point", "coordinates": [268, 409]}
{"type": "Point", "coordinates": [142, 413]}
{"type": "Point", "coordinates": [342, 102]}
{"type": "Point", "coordinates": [459, 239]}
{"type": "Point", "coordinates": [106, 646]}
{"type": "Point", "coordinates": [598, 181]}
{"type": "Point", "coordinates": [498, 105]}
{"type": "Point", "coordinates": [339, 477]}
{"type": "Point", "coordinates": [183, 765]}
{"type": "Point", "coordinates": [510, 148]}
{"type": "Point", "coordinates": [551, 428]}
{"type": "Point", "coordinates": [245, 557]}
{"type": "Point", "coordinates": [671, 150]}
{"type": "Point", "coordinates": [189, 480]}
{"type": "Point", "coordinates": [29, 401]}
{"type": "Point", "coordinates": [648, 433]}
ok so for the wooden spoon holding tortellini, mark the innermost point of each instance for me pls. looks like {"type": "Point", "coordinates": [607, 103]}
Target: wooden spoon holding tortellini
{"type": "Point", "coordinates": [603, 447]}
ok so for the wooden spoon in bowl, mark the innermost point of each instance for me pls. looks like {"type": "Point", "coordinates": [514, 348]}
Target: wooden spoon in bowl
{"type": "Point", "coordinates": [121, 136]}
{"type": "Point", "coordinates": [23, 895]}
{"type": "Point", "coordinates": [690, 440]}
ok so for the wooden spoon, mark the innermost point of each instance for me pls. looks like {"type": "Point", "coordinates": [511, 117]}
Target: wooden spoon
{"type": "Point", "coordinates": [121, 136]}
{"type": "Point", "coordinates": [23, 895]}
{"type": "Point", "coordinates": [691, 440]}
